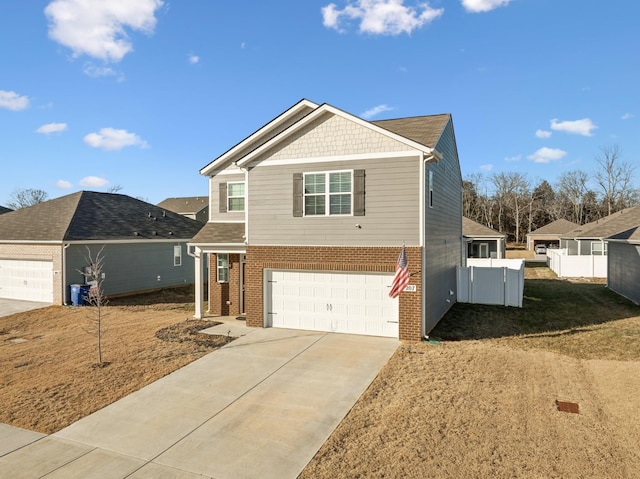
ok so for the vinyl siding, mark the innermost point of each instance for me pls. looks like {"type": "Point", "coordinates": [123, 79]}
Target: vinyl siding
{"type": "Point", "coordinates": [624, 270]}
{"type": "Point", "coordinates": [133, 267]}
{"type": "Point", "coordinates": [391, 206]}
{"type": "Point", "coordinates": [214, 198]}
{"type": "Point", "coordinates": [443, 231]}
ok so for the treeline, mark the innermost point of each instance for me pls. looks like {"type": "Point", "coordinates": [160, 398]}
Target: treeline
{"type": "Point", "coordinates": [516, 205]}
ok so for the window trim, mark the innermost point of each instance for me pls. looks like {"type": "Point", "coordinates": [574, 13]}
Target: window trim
{"type": "Point", "coordinates": [229, 197]}
{"type": "Point", "coordinates": [177, 258]}
{"type": "Point", "coordinates": [327, 193]}
{"type": "Point", "coordinates": [220, 256]}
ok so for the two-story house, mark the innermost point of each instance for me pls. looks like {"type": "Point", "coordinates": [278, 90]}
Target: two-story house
{"type": "Point", "coordinates": [308, 216]}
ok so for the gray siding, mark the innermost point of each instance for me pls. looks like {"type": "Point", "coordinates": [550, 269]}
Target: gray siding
{"type": "Point", "coordinates": [391, 206]}
{"type": "Point", "coordinates": [623, 274]}
{"type": "Point", "coordinates": [133, 267]}
{"type": "Point", "coordinates": [443, 231]}
{"type": "Point", "coordinates": [214, 198]}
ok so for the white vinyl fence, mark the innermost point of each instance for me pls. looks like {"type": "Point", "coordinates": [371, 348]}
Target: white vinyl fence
{"type": "Point", "coordinates": [491, 281]}
{"type": "Point", "coordinates": [576, 266]}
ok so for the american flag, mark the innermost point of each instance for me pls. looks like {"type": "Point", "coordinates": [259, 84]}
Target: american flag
{"type": "Point", "coordinates": [401, 278]}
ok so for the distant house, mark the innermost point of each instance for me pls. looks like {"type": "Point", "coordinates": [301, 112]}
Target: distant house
{"type": "Point", "coordinates": [43, 248]}
{"type": "Point", "coordinates": [194, 207]}
{"type": "Point", "coordinates": [4, 210]}
{"type": "Point", "coordinates": [482, 241]}
{"type": "Point", "coordinates": [623, 267]}
{"type": "Point", "coordinates": [309, 215]}
{"type": "Point", "coordinates": [549, 235]}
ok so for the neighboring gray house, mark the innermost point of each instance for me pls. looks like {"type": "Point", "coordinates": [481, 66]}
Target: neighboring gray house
{"type": "Point", "coordinates": [482, 241]}
{"type": "Point", "coordinates": [549, 235]}
{"type": "Point", "coordinates": [194, 207]}
{"type": "Point", "coordinates": [43, 248]}
{"type": "Point", "coordinates": [623, 267]}
{"type": "Point", "coordinates": [308, 216]}
{"type": "Point", "coordinates": [590, 238]}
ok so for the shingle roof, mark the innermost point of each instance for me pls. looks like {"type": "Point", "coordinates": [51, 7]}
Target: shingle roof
{"type": "Point", "coordinates": [632, 235]}
{"type": "Point", "coordinates": [220, 233]}
{"type": "Point", "coordinates": [472, 228]}
{"type": "Point", "coordinates": [609, 225]}
{"type": "Point", "coordinates": [189, 204]}
{"type": "Point", "coordinates": [88, 215]}
{"type": "Point", "coordinates": [557, 227]}
{"type": "Point", "coordinates": [425, 130]}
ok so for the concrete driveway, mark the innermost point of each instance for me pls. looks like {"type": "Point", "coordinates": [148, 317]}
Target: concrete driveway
{"type": "Point", "coordinates": [12, 306]}
{"type": "Point", "coordinates": [261, 406]}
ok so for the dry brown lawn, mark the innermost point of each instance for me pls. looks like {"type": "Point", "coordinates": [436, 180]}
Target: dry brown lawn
{"type": "Point", "coordinates": [481, 402]}
{"type": "Point", "coordinates": [49, 376]}
{"type": "Point", "coordinates": [477, 401]}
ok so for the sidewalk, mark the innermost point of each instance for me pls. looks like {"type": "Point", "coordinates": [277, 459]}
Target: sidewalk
{"type": "Point", "coordinates": [259, 407]}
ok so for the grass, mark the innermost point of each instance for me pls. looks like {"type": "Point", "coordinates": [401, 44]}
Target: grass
{"type": "Point", "coordinates": [584, 320]}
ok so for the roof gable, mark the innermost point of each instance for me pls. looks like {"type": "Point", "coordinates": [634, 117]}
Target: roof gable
{"type": "Point", "coordinates": [190, 204]}
{"type": "Point", "coordinates": [92, 216]}
{"type": "Point", "coordinates": [557, 227]}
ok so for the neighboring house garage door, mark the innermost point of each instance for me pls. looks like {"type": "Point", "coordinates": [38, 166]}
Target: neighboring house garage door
{"type": "Point", "coordinates": [26, 280]}
{"type": "Point", "coordinates": [356, 303]}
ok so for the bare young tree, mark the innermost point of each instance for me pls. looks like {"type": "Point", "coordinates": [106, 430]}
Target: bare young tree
{"type": "Point", "coordinates": [572, 185]}
{"type": "Point", "coordinates": [26, 197]}
{"type": "Point", "coordinates": [614, 178]}
{"type": "Point", "coordinates": [94, 277]}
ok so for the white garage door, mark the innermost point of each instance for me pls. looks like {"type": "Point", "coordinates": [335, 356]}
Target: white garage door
{"type": "Point", "coordinates": [355, 303]}
{"type": "Point", "coordinates": [26, 280]}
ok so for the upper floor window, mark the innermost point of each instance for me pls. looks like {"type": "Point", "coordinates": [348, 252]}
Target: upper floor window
{"type": "Point", "coordinates": [235, 196]}
{"type": "Point", "coordinates": [430, 189]}
{"type": "Point", "coordinates": [328, 193]}
{"type": "Point", "coordinates": [177, 255]}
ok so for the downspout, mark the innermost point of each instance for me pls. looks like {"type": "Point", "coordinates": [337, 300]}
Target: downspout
{"type": "Point", "coordinates": [64, 273]}
{"type": "Point", "coordinates": [423, 259]}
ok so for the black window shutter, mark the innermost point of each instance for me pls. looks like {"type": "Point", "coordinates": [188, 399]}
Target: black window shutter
{"type": "Point", "coordinates": [297, 195]}
{"type": "Point", "coordinates": [223, 197]}
{"type": "Point", "coordinates": [358, 193]}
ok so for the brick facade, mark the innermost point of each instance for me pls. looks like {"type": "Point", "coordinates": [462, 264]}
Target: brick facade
{"type": "Point", "coordinates": [331, 258]}
{"type": "Point", "coordinates": [224, 298]}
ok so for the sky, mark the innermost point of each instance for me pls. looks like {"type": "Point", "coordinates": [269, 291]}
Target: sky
{"type": "Point", "coordinates": [140, 95]}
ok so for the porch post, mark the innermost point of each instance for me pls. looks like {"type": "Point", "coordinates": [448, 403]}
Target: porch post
{"type": "Point", "coordinates": [199, 273]}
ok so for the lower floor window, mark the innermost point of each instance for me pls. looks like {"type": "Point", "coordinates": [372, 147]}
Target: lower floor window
{"type": "Point", "coordinates": [223, 267]}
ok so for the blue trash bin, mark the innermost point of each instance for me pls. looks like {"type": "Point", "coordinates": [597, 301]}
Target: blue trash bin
{"type": "Point", "coordinates": [79, 294]}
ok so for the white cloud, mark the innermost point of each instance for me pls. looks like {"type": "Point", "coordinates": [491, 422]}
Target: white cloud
{"type": "Point", "coordinates": [64, 184]}
{"type": "Point", "coordinates": [193, 59]}
{"type": "Point", "coordinates": [112, 139]}
{"type": "Point", "coordinates": [375, 111]}
{"type": "Point", "coordinates": [380, 17]}
{"type": "Point", "coordinates": [479, 6]}
{"type": "Point", "coordinates": [94, 71]}
{"type": "Point", "coordinates": [543, 134]}
{"type": "Point", "coordinates": [582, 127]}
{"type": "Point", "coordinates": [243, 45]}
{"type": "Point", "coordinates": [547, 155]}
{"type": "Point", "coordinates": [513, 159]}
{"type": "Point", "coordinates": [12, 101]}
{"type": "Point", "coordinates": [52, 128]}
{"type": "Point", "coordinates": [93, 182]}
{"type": "Point", "coordinates": [627, 116]}
{"type": "Point", "coordinates": [486, 167]}
{"type": "Point", "coordinates": [97, 28]}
